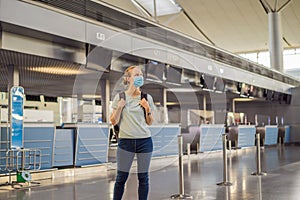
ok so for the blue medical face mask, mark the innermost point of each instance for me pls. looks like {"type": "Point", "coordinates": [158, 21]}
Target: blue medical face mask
{"type": "Point", "coordinates": [138, 81]}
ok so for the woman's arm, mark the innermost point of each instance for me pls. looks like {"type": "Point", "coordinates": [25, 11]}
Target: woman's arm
{"type": "Point", "coordinates": [149, 117]}
{"type": "Point", "coordinates": [116, 113]}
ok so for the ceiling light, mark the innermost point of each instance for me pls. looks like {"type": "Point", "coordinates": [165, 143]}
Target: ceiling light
{"type": "Point", "coordinates": [183, 90]}
{"type": "Point", "coordinates": [58, 70]}
{"type": "Point", "coordinates": [243, 99]}
{"type": "Point", "coordinates": [91, 96]}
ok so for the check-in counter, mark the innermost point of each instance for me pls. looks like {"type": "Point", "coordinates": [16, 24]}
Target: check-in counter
{"type": "Point", "coordinates": [164, 136]}
{"type": "Point", "coordinates": [4, 144]}
{"type": "Point", "coordinates": [211, 137]}
{"type": "Point", "coordinates": [287, 135]}
{"type": "Point", "coordinates": [192, 137]}
{"type": "Point", "coordinates": [91, 144]}
{"type": "Point", "coordinates": [40, 136]}
{"type": "Point", "coordinates": [64, 147]}
{"type": "Point", "coordinates": [38, 133]}
{"type": "Point", "coordinates": [35, 136]}
{"type": "Point", "coordinates": [271, 136]}
{"type": "Point", "coordinates": [246, 136]}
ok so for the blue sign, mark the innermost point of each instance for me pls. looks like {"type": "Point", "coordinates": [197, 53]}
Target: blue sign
{"type": "Point", "coordinates": [16, 122]}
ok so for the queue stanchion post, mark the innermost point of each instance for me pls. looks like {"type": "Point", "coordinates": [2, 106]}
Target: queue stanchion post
{"type": "Point", "coordinates": [280, 142]}
{"type": "Point", "coordinates": [225, 169]}
{"type": "Point", "coordinates": [181, 194]}
{"type": "Point", "coordinates": [188, 147]}
{"type": "Point", "coordinates": [258, 159]}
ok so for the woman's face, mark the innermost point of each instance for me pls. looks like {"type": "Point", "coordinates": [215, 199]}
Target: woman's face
{"type": "Point", "coordinates": [135, 72]}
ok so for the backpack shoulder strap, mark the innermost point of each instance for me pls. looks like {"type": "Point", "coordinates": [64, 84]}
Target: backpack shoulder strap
{"type": "Point", "coordinates": [122, 95]}
{"type": "Point", "coordinates": [144, 95]}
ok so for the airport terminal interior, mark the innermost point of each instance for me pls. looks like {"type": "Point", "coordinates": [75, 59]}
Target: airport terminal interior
{"type": "Point", "coordinates": [223, 76]}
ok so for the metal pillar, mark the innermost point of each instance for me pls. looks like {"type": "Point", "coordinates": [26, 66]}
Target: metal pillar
{"type": "Point", "coordinates": [275, 33]}
{"type": "Point", "coordinates": [181, 194]}
{"type": "Point", "coordinates": [155, 10]}
{"type": "Point", "coordinates": [80, 110]}
{"type": "Point", "coordinates": [105, 92]}
{"type": "Point", "coordinates": [275, 41]}
{"type": "Point", "coordinates": [233, 105]}
{"type": "Point", "coordinates": [165, 100]}
{"type": "Point", "coordinates": [225, 170]}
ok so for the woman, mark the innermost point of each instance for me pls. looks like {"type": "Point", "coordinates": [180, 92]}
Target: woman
{"type": "Point", "coordinates": [133, 114]}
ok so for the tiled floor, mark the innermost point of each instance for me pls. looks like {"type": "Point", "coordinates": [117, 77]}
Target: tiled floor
{"type": "Point", "coordinates": [201, 174]}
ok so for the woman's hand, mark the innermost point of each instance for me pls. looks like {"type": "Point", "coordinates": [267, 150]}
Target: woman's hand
{"type": "Point", "coordinates": [121, 103]}
{"type": "Point", "coordinates": [149, 118]}
{"type": "Point", "coordinates": [144, 103]}
{"type": "Point", "coordinates": [116, 113]}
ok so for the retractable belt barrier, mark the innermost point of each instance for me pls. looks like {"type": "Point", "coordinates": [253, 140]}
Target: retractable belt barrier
{"type": "Point", "coordinates": [225, 168]}
{"type": "Point", "coordinates": [258, 159]}
{"type": "Point", "coordinates": [188, 147]}
{"type": "Point", "coordinates": [181, 194]}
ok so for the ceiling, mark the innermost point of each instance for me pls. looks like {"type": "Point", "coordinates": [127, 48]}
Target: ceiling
{"type": "Point", "coordinates": [234, 25]}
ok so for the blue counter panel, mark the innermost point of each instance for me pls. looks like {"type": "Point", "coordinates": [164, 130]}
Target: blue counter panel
{"type": "Point", "coordinates": [271, 135]}
{"type": "Point", "coordinates": [92, 145]}
{"type": "Point", "coordinates": [41, 138]}
{"type": "Point", "coordinates": [34, 137]}
{"type": "Point", "coordinates": [246, 136]}
{"type": "Point", "coordinates": [211, 137]}
{"type": "Point", "coordinates": [3, 146]}
{"type": "Point", "coordinates": [287, 137]}
{"type": "Point", "coordinates": [64, 147]}
{"type": "Point", "coordinates": [165, 142]}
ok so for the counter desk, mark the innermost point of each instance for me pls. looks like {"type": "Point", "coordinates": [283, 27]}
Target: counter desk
{"type": "Point", "coordinates": [4, 145]}
{"type": "Point", "coordinates": [40, 136]}
{"type": "Point", "coordinates": [91, 143]}
{"type": "Point", "coordinates": [35, 136]}
{"type": "Point", "coordinates": [165, 140]}
{"type": "Point", "coordinates": [287, 136]}
{"type": "Point", "coordinates": [246, 135]}
{"type": "Point", "coordinates": [271, 136]}
{"type": "Point", "coordinates": [211, 137]}
{"type": "Point", "coordinates": [64, 147]}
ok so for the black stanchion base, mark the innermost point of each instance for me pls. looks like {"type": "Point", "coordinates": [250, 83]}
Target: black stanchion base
{"type": "Point", "coordinates": [181, 196]}
{"type": "Point", "coordinates": [259, 174]}
{"type": "Point", "coordinates": [5, 184]}
{"type": "Point", "coordinates": [224, 184]}
{"type": "Point", "coordinates": [20, 185]}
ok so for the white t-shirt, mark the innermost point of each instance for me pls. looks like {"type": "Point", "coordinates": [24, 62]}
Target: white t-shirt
{"type": "Point", "coordinates": [132, 121]}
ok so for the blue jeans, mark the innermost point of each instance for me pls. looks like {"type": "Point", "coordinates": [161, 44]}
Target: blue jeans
{"type": "Point", "coordinates": [127, 148]}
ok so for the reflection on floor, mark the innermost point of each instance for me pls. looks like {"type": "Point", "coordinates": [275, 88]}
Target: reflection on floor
{"type": "Point", "coordinates": [201, 173]}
